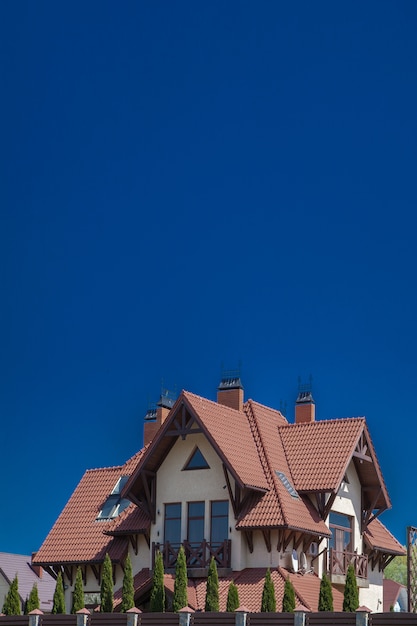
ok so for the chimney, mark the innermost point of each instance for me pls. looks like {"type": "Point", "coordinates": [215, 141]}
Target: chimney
{"type": "Point", "coordinates": [38, 569]}
{"type": "Point", "coordinates": [230, 391]}
{"type": "Point", "coordinates": [155, 417]}
{"type": "Point", "coordinates": [305, 409]}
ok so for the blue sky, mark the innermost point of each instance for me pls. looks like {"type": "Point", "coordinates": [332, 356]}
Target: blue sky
{"type": "Point", "coordinates": [185, 185]}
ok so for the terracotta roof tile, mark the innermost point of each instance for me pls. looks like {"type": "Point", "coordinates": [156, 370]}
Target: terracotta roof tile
{"type": "Point", "coordinates": [307, 448]}
{"type": "Point", "coordinates": [231, 432]}
{"type": "Point", "coordinates": [307, 589]}
{"type": "Point", "coordinates": [378, 537]}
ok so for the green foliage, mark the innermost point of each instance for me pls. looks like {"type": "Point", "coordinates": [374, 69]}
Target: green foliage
{"type": "Point", "coordinates": [33, 600]}
{"type": "Point", "coordinates": [78, 595]}
{"type": "Point", "coordinates": [326, 594]}
{"type": "Point", "coordinates": [12, 604]}
{"type": "Point", "coordinates": [58, 605]}
{"type": "Point", "coordinates": [288, 600]}
{"type": "Point", "coordinates": [351, 594]}
{"type": "Point", "coordinates": [269, 604]}
{"type": "Point", "coordinates": [212, 589]}
{"type": "Point", "coordinates": [397, 570]}
{"type": "Point", "coordinates": [232, 602]}
{"type": "Point", "coordinates": [158, 588]}
{"type": "Point", "coordinates": [128, 591]}
{"type": "Point", "coordinates": [106, 599]}
{"type": "Point", "coordinates": [180, 585]}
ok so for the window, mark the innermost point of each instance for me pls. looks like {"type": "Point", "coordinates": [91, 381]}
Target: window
{"type": "Point", "coordinates": [342, 534]}
{"type": "Point", "coordinates": [172, 525]}
{"type": "Point", "coordinates": [219, 521]}
{"type": "Point", "coordinates": [288, 486]}
{"type": "Point", "coordinates": [114, 505]}
{"type": "Point", "coordinates": [196, 512]}
{"type": "Point", "coordinates": [196, 461]}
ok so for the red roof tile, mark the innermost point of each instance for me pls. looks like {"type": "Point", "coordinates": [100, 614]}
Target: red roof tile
{"type": "Point", "coordinates": [378, 537]}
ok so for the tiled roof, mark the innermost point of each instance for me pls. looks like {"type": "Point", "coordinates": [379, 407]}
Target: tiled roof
{"type": "Point", "coordinates": [315, 462]}
{"type": "Point", "coordinates": [378, 537]}
{"type": "Point", "coordinates": [230, 431]}
{"type": "Point", "coordinates": [307, 589]}
{"type": "Point", "coordinates": [12, 564]}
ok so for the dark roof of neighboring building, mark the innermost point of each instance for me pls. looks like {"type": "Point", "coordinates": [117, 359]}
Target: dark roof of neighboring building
{"type": "Point", "coordinates": [20, 565]}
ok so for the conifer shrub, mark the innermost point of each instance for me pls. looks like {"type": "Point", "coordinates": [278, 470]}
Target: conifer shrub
{"type": "Point", "coordinates": [351, 593]}
{"type": "Point", "coordinates": [288, 600]}
{"type": "Point", "coordinates": [269, 604]}
{"type": "Point", "coordinates": [107, 593]}
{"type": "Point", "coordinates": [232, 602]}
{"type": "Point", "coordinates": [180, 585]}
{"type": "Point", "coordinates": [12, 604]}
{"type": "Point", "coordinates": [78, 595]}
{"type": "Point", "coordinates": [58, 605]}
{"type": "Point", "coordinates": [33, 600]}
{"type": "Point", "coordinates": [212, 589]}
{"type": "Point", "coordinates": [158, 588]}
{"type": "Point", "coordinates": [326, 594]}
{"type": "Point", "coordinates": [128, 592]}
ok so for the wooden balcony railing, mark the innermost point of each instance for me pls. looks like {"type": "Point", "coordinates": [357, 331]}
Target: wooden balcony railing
{"type": "Point", "coordinates": [340, 561]}
{"type": "Point", "coordinates": [197, 554]}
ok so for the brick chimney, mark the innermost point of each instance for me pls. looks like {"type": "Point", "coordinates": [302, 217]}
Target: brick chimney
{"type": "Point", "coordinates": [154, 418]}
{"type": "Point", "coordinates": [230, 391]}
{"type": "Point", "coordinates": [305, 409]}
{"type": "Point", "coordinates": [38, 569]}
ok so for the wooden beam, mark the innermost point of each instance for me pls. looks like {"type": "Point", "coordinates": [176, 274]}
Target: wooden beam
{"type": "Point", "coordinates": [267, 538]}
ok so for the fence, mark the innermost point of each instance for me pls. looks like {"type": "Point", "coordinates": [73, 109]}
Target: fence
{"type": "Point", "coordinates": [213, 619]}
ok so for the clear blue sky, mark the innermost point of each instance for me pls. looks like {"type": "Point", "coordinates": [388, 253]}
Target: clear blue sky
{"type": "Point", "coordinates": [186, 184]}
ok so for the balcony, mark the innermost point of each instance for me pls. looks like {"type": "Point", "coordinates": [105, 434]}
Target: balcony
{"type": "Point", "coordinates": [340, 561]}
{"type": "Point", "coordinates": [197, 554]}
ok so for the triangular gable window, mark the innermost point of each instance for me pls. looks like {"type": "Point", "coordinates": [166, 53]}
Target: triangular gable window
{"type": "Point", "coordinates": [196, 461]}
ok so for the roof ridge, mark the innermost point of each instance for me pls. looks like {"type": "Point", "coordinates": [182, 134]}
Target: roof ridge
{"type": "Point", "coordinates": [264, 406]}
{"type": "Point", "coordinates": [323, 421]}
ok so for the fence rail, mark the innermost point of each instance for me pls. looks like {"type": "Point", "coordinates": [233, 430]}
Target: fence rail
{"type": "Point", "coordinates": [213, 619]}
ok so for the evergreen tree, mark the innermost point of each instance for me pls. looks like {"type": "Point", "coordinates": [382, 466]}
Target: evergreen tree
{"type": "Point", "coordinates": [180, 585]}
{"type": "Point", "coordinates": [128, 592]}
{"type": "Point", "coordinates": [325, 595]}
{"type": "Point", "coordinates": [212, 588]}
{"type": "Point", "coordinates": [269, 604]}
{"type": "Point", "coordinates": [351, 593]}
{"type": "Point", "coordinates": [58, 605]}
{"type": "Point", "coordinates": [106, 599]}
{"type": "Point", "coordinates": [33, 600]}
{"type": "Point", "coordinates": [12, 604]}
{"type": "Point", "coordinates": [232, 598]}
{"type": "Point", "coordinates": [288, 600]}
{"type": "Point", "coordinates": [158, 588]}
{"type": "Point", "coordinates": [78, 595]}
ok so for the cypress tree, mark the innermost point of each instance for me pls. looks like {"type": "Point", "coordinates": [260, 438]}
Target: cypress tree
{"type": "Point", "coordinates": [158, 588]}
{"type": "Point", "coordinates": [180, 585]}
{"type": "Point", "coordinates": [128, 592]}
{"type": "Point", "coordinates": [288, 600]}
{"type": "Point", "coordinates": [212, 588]}
{"type": "Point", "coordinates": [269, 604]}
{"type": "Point", "coordinates": [232, 598]}
{"type": "Point", "coordinates": [33, 600]}
{"type": "Point", "coordinates": [326, 594]}
{"type": "Point", "coordinates": [58, 605]}
{"type": "Point", "coordinates": [106, 600]}
{"type": "Point", "coordinates": [351, 593]}
{"type": "Point", "coordinates": [78, 595]}
{"type": "Point", "coordinates": [12, 604]}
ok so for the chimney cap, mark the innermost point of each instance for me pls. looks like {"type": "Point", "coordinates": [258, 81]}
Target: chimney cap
{"type": "Point", "coordinates": [230, 379]}
{"type": "Point", "coordinates": [304, 397]}
{"type": "Point", "coordinates": [166, 399]}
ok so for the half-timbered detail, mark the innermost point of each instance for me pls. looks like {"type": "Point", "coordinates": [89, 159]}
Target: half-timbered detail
{"type": "Point", "coordinates": [235, 482]}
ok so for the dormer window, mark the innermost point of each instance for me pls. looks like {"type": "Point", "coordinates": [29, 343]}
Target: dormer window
{"type": "Point", "coordinates": [114, 505]}
{"type": "Point", "coordinates": [196, 461]}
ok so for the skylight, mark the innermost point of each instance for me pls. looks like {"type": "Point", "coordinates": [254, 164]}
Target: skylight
{"type": "Point", "coordinates": [114, 505]}
{"type": "Point", "coordinates": [288, 486]}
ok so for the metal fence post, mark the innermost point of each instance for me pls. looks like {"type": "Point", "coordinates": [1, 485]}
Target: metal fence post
{"type": "Point", "coordinates": [241, 614]}
{"type": "Point", "coordinates": [362, 616]}
{"type": "Point", "coordinates": [132, 616]}
{"type": "Point", "coordinates": [300, 612]}
{"type": "Point", "coordinates": [82, 617]}
{"type": "Point", "coordinates": [185, 616]}
{"type": "Point", "coordinates": [35, 617]}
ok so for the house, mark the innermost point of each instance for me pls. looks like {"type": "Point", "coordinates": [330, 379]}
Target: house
{"type": "Point", "coordinates": [236, 481]}
{"type": "Point", "coordinates": [27, 575]}
{"type": "Point", "coordinates": [395, 596]}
